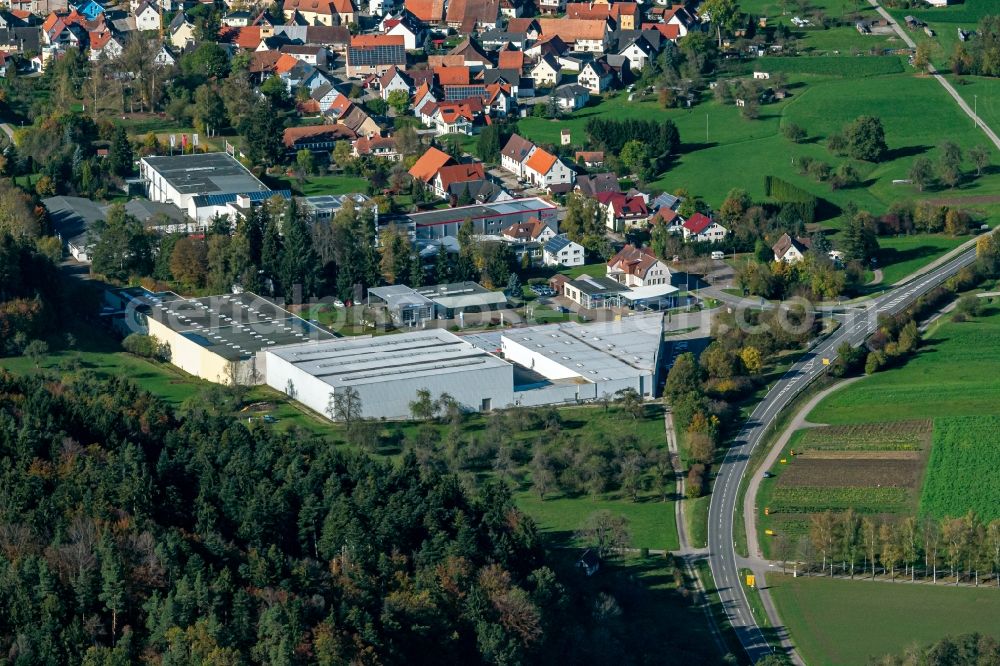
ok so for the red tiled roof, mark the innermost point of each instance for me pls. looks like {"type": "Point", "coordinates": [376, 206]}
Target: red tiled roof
{"type": "Point", "coordinates": [633, 260]}
{"type": "Point", "coordinates": [460, 173]}
{"type": "Point", "coordinates": [697, 223]}
{"type": "Point", "coordinates": [452, 76]}
{"type": "Point", "coordinates": [428, 11]}
{"type": "Point", "coordinates": [511, 60]}
{"type": "Point", "coordinates": [529, 230]}
{"type": "Point", "coordinates": [362, 41]}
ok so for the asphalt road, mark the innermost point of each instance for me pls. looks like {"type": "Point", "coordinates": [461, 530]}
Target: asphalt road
{"type": "Point", "coordinates": [855, 327]}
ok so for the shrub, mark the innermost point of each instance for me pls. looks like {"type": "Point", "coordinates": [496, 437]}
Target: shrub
{"type": "Point", "coordinates": [146, 346]}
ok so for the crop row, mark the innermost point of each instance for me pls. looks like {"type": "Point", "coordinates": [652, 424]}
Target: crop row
{"type": "Point", "coordinates": [900, 436]}
{"type": "Point", "coordinates": [812, 499]}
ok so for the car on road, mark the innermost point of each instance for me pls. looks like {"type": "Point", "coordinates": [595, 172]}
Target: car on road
{"type": "Point", "coordinates": [768, 475]}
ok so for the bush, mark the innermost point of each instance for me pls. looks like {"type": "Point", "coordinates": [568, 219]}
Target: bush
{"type": "Point", "coordinates": [146, 346]}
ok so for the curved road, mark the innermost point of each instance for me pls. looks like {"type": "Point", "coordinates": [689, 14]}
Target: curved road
{"type": "Point", "coordinates": [855, 327]}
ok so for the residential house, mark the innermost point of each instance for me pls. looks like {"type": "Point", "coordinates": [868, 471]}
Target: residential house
{"type": "Point", "coordinates": [594, 184]}
{"type": "Point", "coordinates": [509, 57]}
{"type": "Point", "coordinates": [467, 16]}
{"type": "Point", "coordinates": [499, 102]}
{"type": "Point", "coordinates": [534, 230]}
{"type": "Point", "coordinates": [164, 58]}
{"type": "Point", "coordinates": [561, 251]}
{"type": "Point", "coordinates": [309, 54]}
{"type": "Point", "coordinates": [181, 31]}
{"type": "Point", "coordinates": [453, 117]}
{"type": "Point", "coordinates": [147, 17]}
{"type": "Point", "coordinates": [360, 122]}
{"type": "Point", "coordinates": [791, 250]}
{"type": "Point", "coordinates": [320, 12]}
{"type": "Point", "coordinates": [638, 51]}
{"type": "Point", "coordinates": [447, 176]}
{"type": "Point", "coordinates": [239, 19]}
{"type": "Point", "coordinates": [479, 191]}
{"type": "Point", "coordinates": [393, 79]}
{"type": "Point", "coordinates": [590, 35]}
{"type": "Point", "coordinates": [700, 228]}
{"type": "Point", "coordinates": [374, 54]}
{"type": "Point", "coordinates": [637, 267]}
{"type": "Point", "coordinates": [428, 12]}
{"type": "Point", "coordinates": [589, 159]}
{"type": "Point", "coordinates": [511, 8]}
{"type": "Point", "coordinates": [545, 73]}
{"type": "Point", "coordinates": [423, 98]}
{"type": "Point", "coordinates": [551, 6]}
{"type": "Point", "coordinates": [597, 76]}
{"type": "Point", "coordinates": [426, 168]}
{"type": "Point", "coordinates": [571, 97]}
{"type": "Point", "coordinates": [472, 54]}
{"type": "Point", "coordinates": [679, 15]}
{"type": "Point", "coordinates": [404, 25]}
{"type": "Point", "coordinates": [546, 171]}
{"type": "Point", "coordinates": [316, 138]}
{"type": "Point", "coordinates": [623, 211]}
{"type": "Point", "coordinates": [515, 153]}
{"type": "Point", "coordinates": [625, 15]}
{"type": "Point", "coordinates": [383, 147]}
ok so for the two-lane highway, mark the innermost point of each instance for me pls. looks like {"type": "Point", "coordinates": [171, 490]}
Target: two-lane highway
{"type": "Point", "coordinates": [855, 327]}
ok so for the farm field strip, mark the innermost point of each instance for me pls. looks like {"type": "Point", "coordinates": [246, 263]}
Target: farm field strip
{"type": "Point", "coordinates": [962, 474]}
{"type": "Point", "coordinates": [812, 499]}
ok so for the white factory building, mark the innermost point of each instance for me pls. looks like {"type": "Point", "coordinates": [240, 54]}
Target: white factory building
{"type": "Point", "coordinates": [203, 184]}
{"type": "Point", "coordinates": [388, 371]}
{"type": "Point", "coordinates": [570, 362]}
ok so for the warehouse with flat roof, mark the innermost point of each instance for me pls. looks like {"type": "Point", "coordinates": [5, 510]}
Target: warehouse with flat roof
{"type": "Point", "coordinates": [570, 362]}
{"type": "Point", "coordinates": [387, 371]}
{"type": "Point", "coordinates": [215, 336]}
{"type": "Point", "coordinates": [487, 219]}
{"type": "Point", "coordinates": [202, 184]}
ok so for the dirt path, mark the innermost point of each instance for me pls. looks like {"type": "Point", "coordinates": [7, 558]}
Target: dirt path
{"type": "Point", "coordinates": [750, 499]}
{"type": "Point", "coordinates": [876, 279]}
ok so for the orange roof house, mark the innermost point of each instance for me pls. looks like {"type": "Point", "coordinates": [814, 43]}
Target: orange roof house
{"type": "Point", "coordinates": [459, 173]}
{"type": "Point", "coordinates": [511, 60]}
{"type": "Point", "coordinates": [574, 30]}
{"type": "Point", "coordinates": [425, 168]}
{"type": "Point", "coordinates": [540, 161]}
{"type": "Point", "coordinates": [427, 11]}
{"type": "Point", "coordinates": [296, 137]}
{"type": "Point", "coordinates": [452, 76]}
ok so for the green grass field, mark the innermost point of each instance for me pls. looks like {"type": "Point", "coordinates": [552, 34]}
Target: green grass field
{"type": "Point", "coordinates": [954, 374]}
{"type": "Point", "coordinates": [835, 622]}
{"type": "Point", "coordinates": [315, 185]}
{"type": "Point", "coordinates": [721, 150]}
{"type": "Point", "coordinates": [900, 256]}
{"type": "Point", "coordinates": [964, 448]}
{"type": "Point", "coordinates": [651, 522]}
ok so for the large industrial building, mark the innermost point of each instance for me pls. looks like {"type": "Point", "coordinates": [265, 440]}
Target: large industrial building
{"type": "Point", "coordinates": [487, 219]}
{"type": "Point", "coordinates": [203, 184]}
{"type": "Point", "coordinates": [570, 362]}
{"type": "Point", "coordinates": [214, 336]}
{"type": "Point", "coordinates": [387, 371]}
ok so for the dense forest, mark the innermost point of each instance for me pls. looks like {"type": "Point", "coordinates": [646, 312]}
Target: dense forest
{"type": "Point", "coordinates": [130, 532]}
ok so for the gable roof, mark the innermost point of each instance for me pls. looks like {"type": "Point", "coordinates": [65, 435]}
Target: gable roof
{"type": "Point", "coordinates": [428, 11]}
{"type": "Point", "coordinates": [429, 164]}
{"type": "Point", "coordinates": [633, 260]}
{"type": "Point", "coordinates": [467, 48]}
{"type": "Point", "coordinates": [510, 59]}
{"type": "Point", "coordinates": [697, 223]}
{"type": "Point", "coordinates": [597, 183]}
{"type": "Point", "coordinates": [541, 161]}
{"type": "Point", "coordinates": [786, 243]}
{"type": "Point", "coordinates": [517, 148]}
{"type": "Point", "coordinates": [460, 173]}
{"type": "Point", "coordinates": [452, 76]}
{"type": "Point", "coordinates": [292, 135]}
{"type": "Point", "coordinates": [572, 30]}
{"type": "Point", "coordinates": [525, 231]}
{"type": "Point", "coordinates": [466, 13]}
